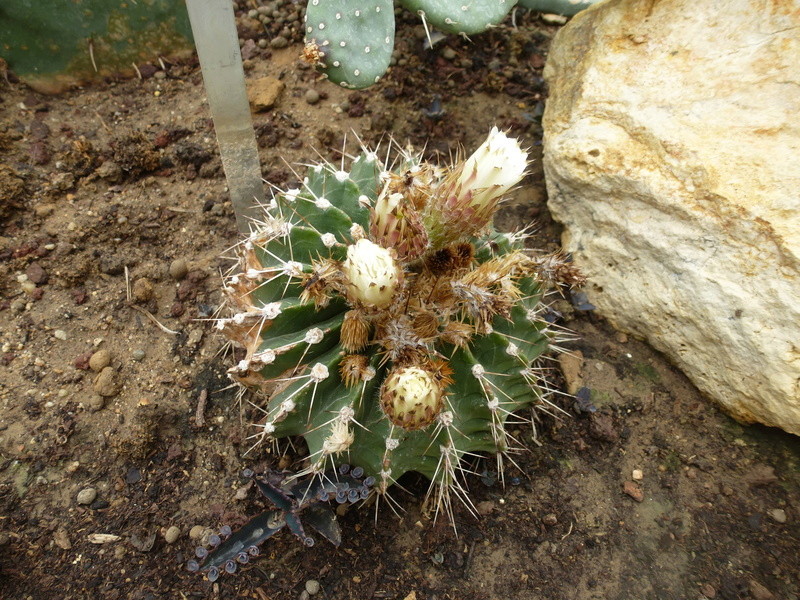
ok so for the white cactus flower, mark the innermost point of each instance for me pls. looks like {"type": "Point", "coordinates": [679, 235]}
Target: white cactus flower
{"type": "Point", "coordinates": [468, 198]}
{"type": "Point", "coordinates": [372, 273]}
{"type": "Point", "coordinates": [493, 169]}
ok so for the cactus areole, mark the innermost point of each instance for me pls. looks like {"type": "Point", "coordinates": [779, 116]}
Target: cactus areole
{"type": "Point", "coordinates": [386, 321]}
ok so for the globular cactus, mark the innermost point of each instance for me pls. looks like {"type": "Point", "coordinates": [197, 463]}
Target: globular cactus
{"type": "Point", "coordinates": [388, 323]}
{"type": "Point", "coordinates": [352, 42]}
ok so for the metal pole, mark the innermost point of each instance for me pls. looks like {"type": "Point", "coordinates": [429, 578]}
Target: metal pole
{"type": "Point", "coordinates": [217, 42]}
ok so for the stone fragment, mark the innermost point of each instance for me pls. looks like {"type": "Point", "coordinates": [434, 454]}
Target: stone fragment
{"type": "Point", "coordinates": [633, 490]}
{"type": "Point", "coordinates": [196, 532]}
{"type": "Point", "coordinates": [100, 360]}
{"type": "Point", "coordinates": [671, 151]}
{"type": "Point", "coordinates": [312, 587]}
{"type": "Point", "coordinates": [264, 92]}
{"type": "Point", "coordinates": [87, 495]}
{"type": "Point", "coordinates": [312, 96]}
{"type": "Point", "coordinates": [759, 592]}
{"type": "Point", "coordinates": [172, 534]}
{"type": "Point", "coordinates": [571, 364]}
{"type": "Point", "coordinates": [178, 269]}
{"type": "Point", "coordinates": [36, 273]}
{"type": "Point", "coordinates": [777, 514]}
{"type": "Point", "coordinates": [142, 290]}
{"type": "Point", "coordinates": [105, 384]}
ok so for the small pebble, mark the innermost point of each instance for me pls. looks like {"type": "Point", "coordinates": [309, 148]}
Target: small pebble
{"type": "Point", "coordinates": [550, 519]}
{"type": "Point", "coordinates": [87, 495]}
{"type": "Point", "coordinates": [60, 334]}
{"type": "Point", "coordinates": [138, 355]}
{"type": "Point", "coordinates": [312, 587]}
{"type": "Point", "coordinates": [172, 534]}
{"type": "Point", "coordinates": [637, 475]}
{"type": "Point", "coordinates": [196, 532]}
{"type": "Point", "coordinates": [708, 591]}
{"type": "Point", "coordinates": [142, 289]}
{"type": "Point", "coordinates": [759, 592]}
{"type": "Point", "coordinates": [279, 42]}
{"type": "Point", "coordinates": [449, 53]}
{"type": "Point", "coordinates": [100, 360]}
{"type": "Point", "coordinates": [633, 490]}
{"type": "Point", "coordinates": [778, 515]}
{"type": "Point", "coordinates": [105, 384]}
{"type": "Point", "coordinates": [178, 269]}
{"type": "Point", "coordinates": [95, 403]}
{"type": "Point", "coordinates": [312, 96]}
{"type": "Point", "coordinates": [263, 43]}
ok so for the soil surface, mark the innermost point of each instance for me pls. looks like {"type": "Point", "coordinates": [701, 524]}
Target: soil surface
{"type": "Point", "coordinates": [115, 229]}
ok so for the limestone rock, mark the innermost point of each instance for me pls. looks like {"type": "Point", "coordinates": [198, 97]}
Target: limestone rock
{"type": "Point", "coordinates": [671, 157]}
{"type": "Point", "coordinates": [264, 92]}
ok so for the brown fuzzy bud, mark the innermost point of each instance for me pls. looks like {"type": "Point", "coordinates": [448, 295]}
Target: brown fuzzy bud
{"type": "Point", "coordinates": [355, 331]}
{"type": "Point", "coordinates": [354, 369]}
{"type": "Point", "coordinates": [458, 334]}
{"type": "Point", "coordinates": [325, 276]}
{"type": "Point", "coordinates": [445, 261]}
{"type": "Point", "coordinates": [411, 397]}
{"type": "Point", "coordinates": [441, 262]}
{"type": "Point", "coordinates": [425, 324]}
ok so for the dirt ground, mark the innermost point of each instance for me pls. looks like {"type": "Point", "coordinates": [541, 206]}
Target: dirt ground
{"type": "Point", "coordinates": [115, 229]}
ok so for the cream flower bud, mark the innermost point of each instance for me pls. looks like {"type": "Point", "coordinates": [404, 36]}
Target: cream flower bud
{"type": "Point", "coordinates": [411, 397]}
{"type": "Point", "coordinates": [493, 169]}
{"type": "Point", "coordinates": [394, 223]}
{"type": "Point", "coordinates": [468, 198]}
{"type": "Point", "coordinates": [372, 273]}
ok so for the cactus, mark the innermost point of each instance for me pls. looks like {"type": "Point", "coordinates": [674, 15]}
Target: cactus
{"type": "Point", "coordinates": [60, 43]}
{"type": "Point", "coordinates": [352, 43]}
{"type": "Point", "coordinates": [457, 16]}
{"type": "Point", "coordinates": [559, 7]}
{"type": "Point", "coordinates": [356, 39]}
{"type": "Point", "coordinates": [387, 321]}
{"type": "Point", "coordinates": [295, 502]}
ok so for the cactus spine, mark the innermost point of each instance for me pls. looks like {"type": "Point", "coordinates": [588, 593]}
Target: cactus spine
{"type": "Point", "coordinates": [386, 320]}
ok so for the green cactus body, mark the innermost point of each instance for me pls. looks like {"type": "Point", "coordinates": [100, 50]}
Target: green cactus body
{"type": "Point", "coordinates": [57, 44]}
{"type": "Point", "coordinates": [458, 16]}
{"type": "Point", "coordinates": [559, 7]}
{"type": "Point", "coordinates": [354, 39]}
{"type": "Point", "coordinates": [390, 362]}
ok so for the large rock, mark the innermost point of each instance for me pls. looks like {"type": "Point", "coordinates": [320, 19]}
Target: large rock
{"type": "Point", "coordinates": [672, 157]}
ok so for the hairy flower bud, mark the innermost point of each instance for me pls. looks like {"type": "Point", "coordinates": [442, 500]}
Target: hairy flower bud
{"type": "Point", "coordinates": [411, 397]}
{"type": "Point", "coordinates": [372, 274]}
{"type": "Point", "coordinates": [395, 223]}
{"type": "Point", "coordinates": [469, 196]}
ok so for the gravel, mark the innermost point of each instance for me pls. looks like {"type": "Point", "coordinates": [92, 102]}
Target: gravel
{"type": "Point", "coordinates": [178, 269]}
{"type": "Point", "coordinates": [100, 360]}
{"type": "Point", "coordinates": [312, 587]}
{"type": "Point", "coordinates": [172, 534]}
{"type": "Point", "coordinates": [87, 495]}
